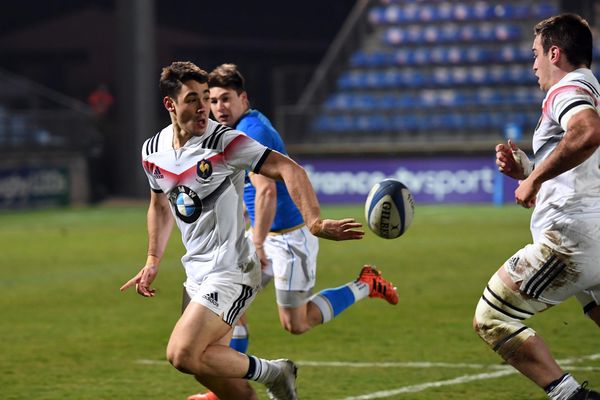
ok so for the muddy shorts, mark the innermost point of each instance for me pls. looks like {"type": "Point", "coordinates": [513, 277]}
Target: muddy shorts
{"type": "Point", "coordinates": [564, 262]}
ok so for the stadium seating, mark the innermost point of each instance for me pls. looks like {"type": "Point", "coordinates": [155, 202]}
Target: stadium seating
{"type": "Point", "coordinates": [439, 67]}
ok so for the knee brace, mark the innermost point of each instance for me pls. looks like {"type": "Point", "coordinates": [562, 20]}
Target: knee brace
{"type": "Point", "coordinates": [499, 316]}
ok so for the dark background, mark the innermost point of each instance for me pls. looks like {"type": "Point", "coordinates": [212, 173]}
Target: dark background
{"type": "Point", "coordinates": [71, 45]}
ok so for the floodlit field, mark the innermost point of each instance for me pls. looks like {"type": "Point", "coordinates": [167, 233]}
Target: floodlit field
{"type": "Point", "coordinates": [68, 333]}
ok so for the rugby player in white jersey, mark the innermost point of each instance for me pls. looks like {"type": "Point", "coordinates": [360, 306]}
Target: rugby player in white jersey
{"type": "Point", "coordinates": [195, 167]}
{"type": "Point", "coordinates": [562, 183]}
{"type": "Point", "coordinates": [286, 249]}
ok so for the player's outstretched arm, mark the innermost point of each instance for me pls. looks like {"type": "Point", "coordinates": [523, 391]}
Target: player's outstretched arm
{"type": "Point", "coordinates": [278, 166]}
{"type": "Point", "coordinates": [160, 224]}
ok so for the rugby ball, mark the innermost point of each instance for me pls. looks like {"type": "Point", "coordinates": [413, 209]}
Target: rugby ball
{"type": "Point", "coordinates": [389, 209]}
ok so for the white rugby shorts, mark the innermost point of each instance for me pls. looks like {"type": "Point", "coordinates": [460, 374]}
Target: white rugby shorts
{"type": "Point", "coordinates": [293, 257]}
{"type": "Point", "coordinates": [227, 294]}
{"type": "Point", "coordinates": [564, 262]}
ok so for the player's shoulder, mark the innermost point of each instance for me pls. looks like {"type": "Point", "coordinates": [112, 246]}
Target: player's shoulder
{"type": "Point", "coordinates": [158, 141]}
{"type": "Point", "coordinates": [256, 119]}
{"type": "Point", "coordinates": [257, 126]}
{"type": "Point", "coordinates": [218, 135]}
{"type": "Point", "coordinates": [582, 78]}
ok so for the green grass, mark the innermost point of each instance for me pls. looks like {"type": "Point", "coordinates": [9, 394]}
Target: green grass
{"type": "Point", "coordinates": [68, 333]}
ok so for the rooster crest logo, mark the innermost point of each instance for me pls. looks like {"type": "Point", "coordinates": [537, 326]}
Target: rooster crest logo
{"type": "Point", "coordinates": [204, 169]}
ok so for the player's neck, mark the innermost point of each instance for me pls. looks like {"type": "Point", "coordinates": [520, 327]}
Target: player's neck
{"type": "Point", "coordinates": [180, 138]}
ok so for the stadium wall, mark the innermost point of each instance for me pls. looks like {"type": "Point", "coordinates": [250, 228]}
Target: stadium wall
{"type": "Point", "coordinates": [432, 180]}
{"type": "Point", "coordinates": [43, 180]}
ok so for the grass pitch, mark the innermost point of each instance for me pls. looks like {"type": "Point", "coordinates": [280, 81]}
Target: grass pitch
{"type": "Point", "coordinates": [68, 333]}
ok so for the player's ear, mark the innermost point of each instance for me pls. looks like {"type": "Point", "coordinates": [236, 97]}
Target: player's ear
{"type": "Point", "coordinates": [169, 104]}
{"type": "Point", "coordinates": [555, 53]}
{"type": "Point", "coordinates": [244, 97]}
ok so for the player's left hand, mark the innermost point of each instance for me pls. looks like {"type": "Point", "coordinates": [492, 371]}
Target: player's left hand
{"type": "Point", "coordinates": [333, 229]}
{"type": "Point", "coordinates": [526, 193]}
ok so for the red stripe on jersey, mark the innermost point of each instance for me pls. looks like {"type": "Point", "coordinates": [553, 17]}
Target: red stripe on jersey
{"type": "Point", "coordinates": [187, 174]}
{"type": "Point", "coordinates": [219, 157]}
{"type": "Point", "coordinates": [561, 89]}
{"type": "Point", "coordinates": [234, 143]}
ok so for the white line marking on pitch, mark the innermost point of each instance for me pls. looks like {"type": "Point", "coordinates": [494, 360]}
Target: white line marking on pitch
{"type": "Point", "coordinates": [419, 388]}
{"type": "Point", "coordinates": [463, 379]}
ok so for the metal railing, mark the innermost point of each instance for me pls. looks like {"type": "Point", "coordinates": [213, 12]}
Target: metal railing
{"type": "Point", "coordinates": [36, 118]}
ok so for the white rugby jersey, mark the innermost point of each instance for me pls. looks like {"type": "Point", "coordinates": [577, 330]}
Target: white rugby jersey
{"type": "Point", "coordinates": [204, 182]}
{"type": "Point", "coordinates": [574, 193]}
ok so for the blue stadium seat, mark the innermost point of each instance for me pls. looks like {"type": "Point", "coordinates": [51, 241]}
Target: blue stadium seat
{"type": "Point", "coordinates": [407, 100]}
{"type": "Point", "coordinates": [392, 14]}
{"type": "Point", "coordinates": [427, 13]}
{"type": "Point", "coordinates": [489, 96]}
{"type": "Point", "coordinates": [477, 55]}
{"type": "Point", "coordinates": [440, 65]}
{"type": "Point", "coordinates": [544, 10]}
{"type": "Point", "coordinates": [375, 16]}
{"type": "Point", "coordinates": [504, 32]}
{"type": "Point", "coordinates": [371, 122]}
{"type": "Point", "coordinates": [468, 33]}
{"type": "Point", "coordinates": [364, 102]}
{"type": "Point", "coordinates": [462, 12]}
{"type": "Point", "coordinates": [421, 56]}
{"type": "Point", "coordinates": [385, 102]}
{"type": "Point", "coordinates": [408, 122]}
{"type": "Point", "coordinates": [450, 33]}
{"type": "Point", "coordinates": [441, 76]}
{"type": "Point", "coordinates": [482, 11]}
{"type": "Point", "coordinates": [395, 36]}
{"type": "Point", "coordinates": [445, 11]}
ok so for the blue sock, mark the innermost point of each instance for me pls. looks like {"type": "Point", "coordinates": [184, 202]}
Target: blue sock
{"type": "Point", "coordinates": [332, 302]}
{"type": "Point", "coordinates": [240, 340]}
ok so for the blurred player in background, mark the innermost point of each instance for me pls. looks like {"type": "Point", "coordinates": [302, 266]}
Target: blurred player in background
{"type": "Point", "coordinates": [563, 184]}
{"type": "Point", "coordinates": [195, 168]}
{"type": "Point", "coordinates": [286, 248]}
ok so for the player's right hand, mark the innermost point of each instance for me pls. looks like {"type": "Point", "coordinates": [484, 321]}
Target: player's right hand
{"type": "Point", "coordinates": [142, 281]}
{"type": "Point", "coordinates": [333, 229]}
{"type": "Point", "coordinates": [260, 252]}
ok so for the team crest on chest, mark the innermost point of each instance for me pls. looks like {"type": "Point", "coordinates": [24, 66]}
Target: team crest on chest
{"type": "Point", "coordinates": [204, 170]}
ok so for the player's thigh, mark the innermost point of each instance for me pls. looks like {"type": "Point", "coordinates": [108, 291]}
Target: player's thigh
{"type": "Point", "coordinates": [215, 306]}
{"type": "Point", "coordinates": [197, 328]}
{"type": "Point", "coordinates": [561, 264]}
{"type": "Point", "coordinates": [294, 259]}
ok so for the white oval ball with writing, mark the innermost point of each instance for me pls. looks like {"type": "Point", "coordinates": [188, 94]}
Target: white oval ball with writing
{"type": "Point", "coordinates": [389, 209]}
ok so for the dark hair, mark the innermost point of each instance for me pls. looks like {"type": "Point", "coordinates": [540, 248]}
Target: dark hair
{"type": "Point", "coordinates": [173, 77]}
{"type": "Point", "coordinates": [570, 33]}
{"type": "Point", "coordinates": [227, 76]}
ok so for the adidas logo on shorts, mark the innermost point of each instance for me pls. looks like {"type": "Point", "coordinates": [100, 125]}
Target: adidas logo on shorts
{"type": "Point", "coordinates": [212, 297]}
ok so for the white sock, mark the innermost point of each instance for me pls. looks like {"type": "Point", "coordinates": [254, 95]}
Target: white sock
{"type": "Point", "coordinates": [240, 332]}
{"type": "Point", "coordinates": [359, 289]}
{"type": "Point", "coordinates": [564, 389]}
{"type": "Point", "coordinates": [261, 370]}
